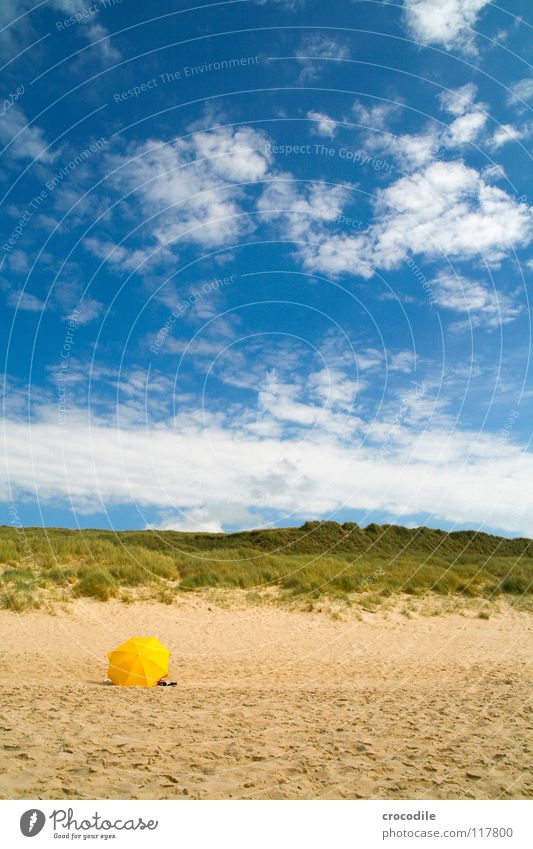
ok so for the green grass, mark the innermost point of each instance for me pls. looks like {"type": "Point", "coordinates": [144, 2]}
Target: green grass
{"type": "Point", "coordinates": [315, 560]}
{"type": "Point", "coordinates": [95, 583]}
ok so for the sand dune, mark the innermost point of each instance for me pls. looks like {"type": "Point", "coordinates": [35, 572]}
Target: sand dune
{"type": "Point", "coordinates": [271, 703]}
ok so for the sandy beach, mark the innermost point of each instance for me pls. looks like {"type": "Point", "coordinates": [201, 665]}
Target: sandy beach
{"type": "Point", "coordinates": [271, 703]}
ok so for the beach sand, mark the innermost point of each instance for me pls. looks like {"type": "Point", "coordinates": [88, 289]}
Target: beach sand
{"type": "Point", "coordinates": [270, 703]}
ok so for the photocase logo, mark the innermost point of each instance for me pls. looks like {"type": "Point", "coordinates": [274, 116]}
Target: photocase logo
{"type": "Point", "coordinates": [32, 822]}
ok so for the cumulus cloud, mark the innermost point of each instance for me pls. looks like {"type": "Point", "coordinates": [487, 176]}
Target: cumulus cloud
{"type": "Point", "coordinates": [445, 209]}
{"type": "Point", "coordinates": [470, 117]}
{"type": "Point", "coordinates": [465, 129]}
{"type": "Point", "coordinates": [186, 191]}
{"type": "Point", "coordinates": [325, 126]}
{"type": "Point", "coordinates": [305, 214]}
{"type": "Point", "coordinates": [410, 151]}
{"type": "Point", "coordinates": [448, 210]}
{"type": "Point", "coordinates": [337, 253]}
{"type": "Point", "coordinates": [443, 22]}
{"type": "Point", "coordinates": [437, 209]}
{"type": "Point", "coordinates": [507, 133]}
{"type": "Point", "coordinates": [469, 126]}
{"type": "Point", "coordinates": [289, 204]}
{"type": "Point", "coordinates": [457, 101]}
{"type": "Point", "coordinates": [415, 150]}
{"type": "Point", "coordinates": [376, 116]}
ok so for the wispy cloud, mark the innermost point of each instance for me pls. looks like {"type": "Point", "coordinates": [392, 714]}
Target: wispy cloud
{"type": "Point", "coordinates": [521, 93]}
{"type": "Point", "coordinates": [23, 139]}
{"type": "Point", "coordinates": [316, 52]}
{"type": "Point", "coordinates": [90, 26]}
{"type": "Point", "coordinates": [484, 305]}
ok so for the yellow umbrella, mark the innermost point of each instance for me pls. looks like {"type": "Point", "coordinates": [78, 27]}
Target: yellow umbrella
{"type": "Point", "coordinates": [139, 662]}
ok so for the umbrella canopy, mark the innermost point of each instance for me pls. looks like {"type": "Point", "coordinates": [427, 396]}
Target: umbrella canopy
{"type": "Point", "coordinates": [139, 662]}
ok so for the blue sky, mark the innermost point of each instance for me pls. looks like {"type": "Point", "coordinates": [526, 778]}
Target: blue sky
{"type": "Point", "coordinates": [263, 262]}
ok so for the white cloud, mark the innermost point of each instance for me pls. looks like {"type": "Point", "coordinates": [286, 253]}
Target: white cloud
{"type": "Point", "coordinates": [280, 400]}
{"type": "Point", "coordinates": [25, 301]}
{"type": "Point", "coordinates": [325, 47]}
{"type": "Point", "coordinates": [484, 305]}
{"type": "Point", "coordinates": [335, 254]}
{"type": "Point", "coordinates": [68, 297]}
{"type": "Point", "coordinates": [326, 126]}
{"type": "Point", "coordinates": [187, 189]}
{"type": "Point", "coordinates": [15, 26]}
{"type": "Point", "coordinates": [120, 258]}
{"type": "Point", "coordinates": [444, 22]}
{"type": "Point", "coordinates": [86, 310]}
{"type": "Point", "coordinates": [465, 129]}
{"type": "Point", "coordinates": [18, 262]}
{"type": "Point", "coordinates": [470, 116]}
{"type": "Point", "coordinates": [63, 297]}
{"type": "Point", "coordinates": [303, 214]}
{"type": "Point", "coordinates": [287, 4]}
{"type": "Point", "coordinates": [210, 473]}
{"type": "Point", "coordinates": [443, 210]}
{"type": "Point", "coordinates": [238, 155]}
{"type": "Point", "coordinates": [98, 36]}
{"type": "Point", "coordinates": [26, 141]}
{"type": "Point", "coordinates": [411, 151]}
{"type": "Point", "coordinates": [316, 52]}
{"type": "Point", "coordinates": [493, 172]}
{"type": "Point", "coordinates": [372, 359]}
{"type": "Point", "coordinates": [448, 210]}
{"type": "Point", "coordinates": [401, 361]}
{"type": "Point", "coordinates": [377, 116]}
{"type": "Point", "coordinates": [323, 400]}
{"type": "Point", "coordinates": [521, 90]}
{"type": "Point", "coordinates": [89, 26]}
{"type": "Point", "coordinates": [457, 101]}
{"type": "Point", "coordinates": [213, 518]}
{"type": "Point", "coordinates": [288, 203]}
{"type": "Point", "coordinates": [506, 133]}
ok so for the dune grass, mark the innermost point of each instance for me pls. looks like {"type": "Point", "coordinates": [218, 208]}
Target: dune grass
{"type": "Point", "coordinates": [315, 560]}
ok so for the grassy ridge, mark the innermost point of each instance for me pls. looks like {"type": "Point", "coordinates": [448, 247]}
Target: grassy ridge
{"type": "Point", "coordinates": [376, 562]}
